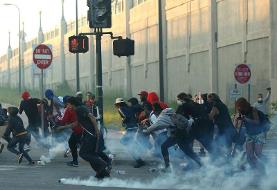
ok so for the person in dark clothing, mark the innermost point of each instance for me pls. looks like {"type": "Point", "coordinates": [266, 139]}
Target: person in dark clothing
{"type": "Point", "coordinates": [89, 149]}
{"type": "Point", "coordinates": [142, 139]}
{"type": "Point", "coordinates": [129, 122]}
{"type": "Point", "coordinates": [202, 128]}
{"type": "Point", "coordinates": [226, 131]}
{"type": "Point", "coordinates": [93, 108]}
{"type": "Point", "coordinates": [20, 136]}
{"type": "Point", "coordinates": [30, 106]}
{"type": "Point", "coordinates": [68, 118]}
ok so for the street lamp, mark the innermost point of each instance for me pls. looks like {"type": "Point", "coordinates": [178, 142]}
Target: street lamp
{"type": "Point", "coordinates": [19, 45]}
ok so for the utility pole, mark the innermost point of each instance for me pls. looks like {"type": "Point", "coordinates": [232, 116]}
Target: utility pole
{"type": "Point", "coordinates": [99, 83]}
{"type": "Point", "coordinates": [161, 56]}
{"type": "Point", "coordinates": [77, 54]}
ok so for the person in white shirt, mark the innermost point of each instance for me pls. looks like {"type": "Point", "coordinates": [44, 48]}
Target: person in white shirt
{"type": "Point", "coordinates": [262, 102]}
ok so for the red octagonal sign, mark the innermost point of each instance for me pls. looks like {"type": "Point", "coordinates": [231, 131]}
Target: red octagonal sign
{"type": "Point", "coordinates": [242, 73]}
{"type": "Point", "coordinates": [42, 56]}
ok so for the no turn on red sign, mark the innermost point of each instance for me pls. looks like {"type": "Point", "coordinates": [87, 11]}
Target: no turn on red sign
{"type": "Point", "coordinates": [242, 73]}
{"type": "Point", "coordinates": [42, 56]}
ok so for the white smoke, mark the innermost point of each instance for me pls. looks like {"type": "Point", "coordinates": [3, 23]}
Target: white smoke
{"type": "Point", "coordinates": [55, 148]}
{"type": "Point", "coordinates": [209, 177]}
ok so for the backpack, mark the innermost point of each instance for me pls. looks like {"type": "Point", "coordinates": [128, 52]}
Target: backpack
{"type": "Point", "coordinates": [181, 124]}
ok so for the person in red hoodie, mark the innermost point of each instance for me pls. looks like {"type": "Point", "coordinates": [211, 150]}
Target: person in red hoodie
{"type": "Point", "coordinates": [70, 119]}
{"type": "Point", "coordinates": [154, 98]}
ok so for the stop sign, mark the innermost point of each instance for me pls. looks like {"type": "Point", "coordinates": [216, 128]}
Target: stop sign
{"type": "Point", "coordinates": [242, 73]}
{"type": "Point", "coordinates": [42, 56]}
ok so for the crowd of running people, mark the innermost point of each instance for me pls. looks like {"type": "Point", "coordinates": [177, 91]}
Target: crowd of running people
{"type": "Point", "coordinates": [150, 125]}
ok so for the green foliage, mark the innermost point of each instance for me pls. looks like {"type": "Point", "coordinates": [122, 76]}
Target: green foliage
{"type": "Point", "coordinates": [111, 117]}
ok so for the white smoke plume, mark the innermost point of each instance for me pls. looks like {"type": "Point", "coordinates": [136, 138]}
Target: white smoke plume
{"type": "Point", "coordinates": [209, 177]}
{"type": "Point", "coordinates": [54, 148]}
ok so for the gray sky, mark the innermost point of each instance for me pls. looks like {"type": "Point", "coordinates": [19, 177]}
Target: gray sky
{"type": "Point", "coordinates": [29, 9]}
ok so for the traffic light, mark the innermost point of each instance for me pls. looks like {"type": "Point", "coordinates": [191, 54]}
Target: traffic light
{"type": "Point", "coordinates": [100, 13]}
{"type": "Point", "coordinates": [78, 44]}
{"type": "Point", "coordinates": [124, 47]}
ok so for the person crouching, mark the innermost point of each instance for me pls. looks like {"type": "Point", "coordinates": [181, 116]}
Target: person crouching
{"type": "Point", "coordinates": [20, 136]}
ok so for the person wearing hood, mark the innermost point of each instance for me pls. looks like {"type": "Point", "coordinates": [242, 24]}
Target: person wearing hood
{"type": "Point", "coordinates": [153, 98]}
{"type": "Point", "coordinates": [177, 126]}
{"type": "Point", "coordinates": [202, 128]}
{"type": "Point", "coordinates": [90, 149]}
{"type": "Point", "coordinates": [30, 106]}
{"type": "Point", "coordinates": [55, 104]}
{"type": "Point", "coordinates": [129, 122]}
{"type": "Point", "coordinates": [145, 104]}
{"type": "Point", "coordinates": [20, 136]}
{"type": "Point", "coordinates": [226, 132]}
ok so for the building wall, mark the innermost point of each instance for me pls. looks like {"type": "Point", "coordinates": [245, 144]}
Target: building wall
{"type": "Point", "coordinates": [242, 36]}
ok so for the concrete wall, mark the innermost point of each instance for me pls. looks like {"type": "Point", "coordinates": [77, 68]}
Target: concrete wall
{"type": "Point", "coordinates": [241, 31]}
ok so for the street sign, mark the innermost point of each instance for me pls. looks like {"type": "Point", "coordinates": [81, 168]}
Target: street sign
{"type": "Point", "coordinates": [235, 94]}
{"type": "Point", "coordinates": [242, 73]}
{"type": "Point", "coordinates": [42, 56]}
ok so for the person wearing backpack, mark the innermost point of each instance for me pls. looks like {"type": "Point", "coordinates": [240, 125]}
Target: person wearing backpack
{"type": "Point", "coordinates": [255, 124]}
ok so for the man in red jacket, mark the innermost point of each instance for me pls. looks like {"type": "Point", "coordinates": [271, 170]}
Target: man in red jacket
{"type": "Point", "coordinates": [70, 117]}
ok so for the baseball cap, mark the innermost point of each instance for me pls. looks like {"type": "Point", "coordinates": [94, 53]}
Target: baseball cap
{"type": "Point", "coordinates": [119, 100]}
{"type": "Point", "coordinates": [143, 93]}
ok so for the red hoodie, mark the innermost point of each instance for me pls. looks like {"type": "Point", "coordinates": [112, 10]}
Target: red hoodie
{"type": "Point", "coordinates": [153, 98]}
{"type": "Point", "coordinates": [70, 117]}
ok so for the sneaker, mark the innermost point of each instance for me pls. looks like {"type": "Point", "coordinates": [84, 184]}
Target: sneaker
{"type": "Point", "coordinates": [73, 164]}
{"type": "Point", "coordinates": [102, 174]}
{"type": "Point", "coordinates": [1, 147]}
{"type": "Point", "coordinates": [20, 158]}
{"type": "Point", "coordinates": [139, 163]}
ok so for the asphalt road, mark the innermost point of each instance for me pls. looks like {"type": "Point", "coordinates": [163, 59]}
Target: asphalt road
{"type": "Point", "coordinates": [124, 176]}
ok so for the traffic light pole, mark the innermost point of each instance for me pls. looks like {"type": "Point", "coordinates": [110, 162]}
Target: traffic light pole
{"type": "Point", "coordinates": [99, 83]}
{"type": "Point", "coordinates": [77, 54]}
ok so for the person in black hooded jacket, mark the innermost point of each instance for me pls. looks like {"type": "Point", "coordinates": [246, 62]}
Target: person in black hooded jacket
{"type": "Point", "coordinates": [20, 135]}
{"type": "Point", "coordinates": [90, 150]}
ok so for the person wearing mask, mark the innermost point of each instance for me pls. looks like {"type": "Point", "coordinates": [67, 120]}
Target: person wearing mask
{"type": "Point", "coordinates": [20, 136]}
{"type": "Point", "coordinates": [129, 122]}
{"type": "Point", "coordinates": [68, 118]}
{"type": "Point", "coordinates": [262, 102]}
{"type": "Point", "coordinates": [202, 128]}
{"type": "Point", "coordinates": [30, 106]}
{"type": "Point", "coordinates": [255, 123]}
{"type": "Point", "coordinates": [221, 118]}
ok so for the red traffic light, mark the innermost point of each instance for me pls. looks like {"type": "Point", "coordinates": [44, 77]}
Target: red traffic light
{"type": "Point", "coordinates": [78, 44]}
